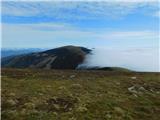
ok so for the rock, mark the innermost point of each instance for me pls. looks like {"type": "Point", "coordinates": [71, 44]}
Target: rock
{"type": "Point", "coordinates": [62, 88]}
{"type": "Point", "coordinates": [135, 95]}
{"type": "Point", "coordinates": [63, 76]}
{"type": "Point", "coordinates": [133, 78]}
{"type": "Point", "coordinates": [132, 89]}
{"type": "Point", "coordinates": [117, 83]}
{"type": "Point", "coordinates": [72, 76]}
{"type": "Point", "coordinates": [145, 84]}
{"type": "Point", "coordinates": [41, 94]}
{"type": "Point", "coordinates": [141, 89]}
{"type": "Point", "coordinates": [152, 90]}
{"type": "Point", "coordinates": [137, 89]}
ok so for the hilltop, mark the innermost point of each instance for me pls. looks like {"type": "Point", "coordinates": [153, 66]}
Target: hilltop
{"type": "Point", "coordinates": [67, 57]}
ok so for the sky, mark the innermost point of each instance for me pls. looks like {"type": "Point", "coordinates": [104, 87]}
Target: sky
{"type": "Point", "coordinates": [118, 25]}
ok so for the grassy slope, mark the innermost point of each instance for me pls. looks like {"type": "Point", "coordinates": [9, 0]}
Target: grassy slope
{"type": "Point", "coordinates": [79, 95]}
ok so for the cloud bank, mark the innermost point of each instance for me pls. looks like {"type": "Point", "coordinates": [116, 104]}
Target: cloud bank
{"type": "Point", "coordinates": [138, 59]}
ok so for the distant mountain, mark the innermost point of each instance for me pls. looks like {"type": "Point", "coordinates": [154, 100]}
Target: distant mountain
{"type": "Point", "coordinates": [12, 52]}
{"type": "Point", "coordinates": [67, 57]}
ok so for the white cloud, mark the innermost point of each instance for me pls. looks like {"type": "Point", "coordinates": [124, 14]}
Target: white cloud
{"type": "Point", "coordinates": [47, 35]}
{"type": "Point", "coordinates": [28, 36]}
{"type": "Point", "coordinates": [77, 10]}
{"type": "Point", "coordinates": [130, 35]}
{"type": "Point", "coordinates": [49, 27]}
{"type": "Point", "coordinates": [139, 59]}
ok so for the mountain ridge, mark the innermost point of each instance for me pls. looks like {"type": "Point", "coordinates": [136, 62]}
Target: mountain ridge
{"type": "Point", "coordinates": [66, 57]}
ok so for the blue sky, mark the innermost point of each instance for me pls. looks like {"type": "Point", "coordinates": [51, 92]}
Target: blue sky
{"type": "Point", "coordinates": [79, 23]}
{"type": "Point", "coordinates": [120, 24]}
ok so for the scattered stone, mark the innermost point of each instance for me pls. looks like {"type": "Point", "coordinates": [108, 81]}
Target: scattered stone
{"type": "Point", "coordinates": [135, 95]}
{"type": "Point", "coordinates": [145, 84]}
{"type": "Point", "coordinates": [137, 89]}
{"type": "Point", "coordinates": [62, 88]}
{"type": "Point", "coordinates": [76, 86]}
{"type": "Point", "coordinates": [151, 90]}
{"type": "Point", "coordinates": [132, 89]}
{"type": "Point", "coordinates": [133, 78]}
{"type": "Point", "coordinates": [41, 94]}
{"type": "Point", "coordinates": [142, 89]}
{"type": "Point", "coordinates": [117, 83]}
{"type": "Point", "coordinates": [63, 76]}
{"type": "Point", "coordinates": [72, 76]}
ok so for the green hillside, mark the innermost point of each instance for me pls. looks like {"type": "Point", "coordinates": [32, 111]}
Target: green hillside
{"type": "Point", "coordinates": [79, 95]}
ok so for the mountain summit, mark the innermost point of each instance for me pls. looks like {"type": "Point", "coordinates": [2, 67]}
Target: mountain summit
{"type": "Point", "coordinates": [67, 57]}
